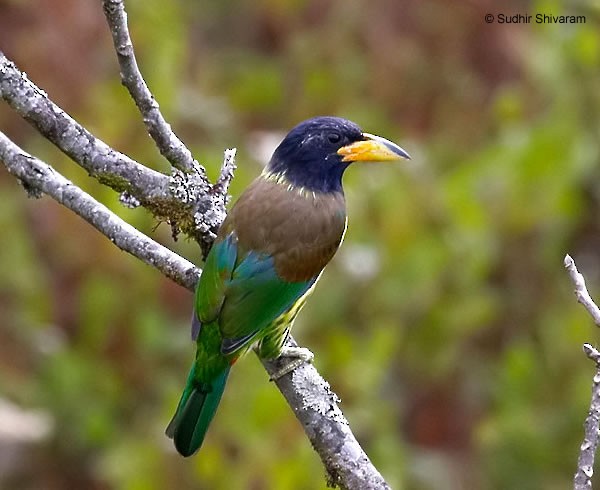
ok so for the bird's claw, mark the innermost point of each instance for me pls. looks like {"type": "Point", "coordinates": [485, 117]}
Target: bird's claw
{"type": "Point", "coordinates": [300, 355]}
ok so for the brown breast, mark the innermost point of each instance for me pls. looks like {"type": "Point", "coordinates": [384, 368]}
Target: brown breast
{"type": "Point", "coordinates": [302, 230]}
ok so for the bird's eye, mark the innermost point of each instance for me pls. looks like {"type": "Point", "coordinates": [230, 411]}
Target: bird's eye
{"type": "Point", "coordinates": [334, 137]}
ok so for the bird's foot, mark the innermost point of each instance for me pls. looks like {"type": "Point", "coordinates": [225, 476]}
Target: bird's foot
{"type": "Point", "coordinates": [300, 355]}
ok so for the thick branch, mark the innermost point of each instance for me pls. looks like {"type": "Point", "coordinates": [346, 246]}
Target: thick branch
{"type": "Point", "coordinates": [169, 145]}
{"type": "Point", "coordinates": [184, 201]}
{"type": "Point", "coordinates": [109, 166]}
{"type": "Point", "coordinates": [37, 177]}
{"type": "Point", "coordinates": [316, 407]}
{"type": "Point", "coordinates": [587, 452]}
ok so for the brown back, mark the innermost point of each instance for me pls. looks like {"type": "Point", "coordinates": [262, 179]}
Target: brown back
{"type": "Point", "coordinates": [301, 229]}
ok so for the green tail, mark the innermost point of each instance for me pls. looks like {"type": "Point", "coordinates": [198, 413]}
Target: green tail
{"type": "Point", "coordinates": [195, 411]}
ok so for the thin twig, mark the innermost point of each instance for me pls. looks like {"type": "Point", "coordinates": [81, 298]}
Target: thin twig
{"type": "Point", "coordinates": [581, 291]}
{"type": "Point", "coordinates": [592, 353]}
{"type": "Point", "coordinates": [169, 145]}
{"type": "Point", "coordinates": [227, 170]}
{"type": "Point", "coordinates": [209, 218]}
{"type": "Point", "coordinates": [587, 452]}
{"type": "Point", "coordinates": [38, 176]}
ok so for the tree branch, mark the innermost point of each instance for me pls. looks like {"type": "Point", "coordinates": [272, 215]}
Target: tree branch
{"type": "Point", "coordinates": [37, 177]}
{"type": "Point", "coordinates": [186, 200]}
{"type": "Point", "coordinates": [316, 407]}
{"type": "Point", "coordinates": [581, 291]}
{"type": "Point", "coordinates": [110, 167]}
{"type": "Point", "coordinates": [169, 145]}
{"type": "Point", "coordinates": [587, 452]}
{"type": "Point", "coordinates": [226, 175]}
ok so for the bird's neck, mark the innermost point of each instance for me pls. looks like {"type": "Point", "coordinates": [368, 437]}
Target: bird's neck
{"type": "Point", "coordinates": [306, 179]}
{"type": "Point", "coordinates": [301, 187]}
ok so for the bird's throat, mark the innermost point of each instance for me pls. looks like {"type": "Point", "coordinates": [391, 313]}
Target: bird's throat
{"type": "Point", "coordinates": [281, 179]}
{"type": "Point", "coordinates": [306, 183]}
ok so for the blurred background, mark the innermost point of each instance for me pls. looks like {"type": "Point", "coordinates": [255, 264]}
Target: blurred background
{"type": "Point", "coordinates": [446, 323]}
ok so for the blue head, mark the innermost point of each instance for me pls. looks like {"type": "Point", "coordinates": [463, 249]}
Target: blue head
{"type": "Point", "coordinates": [316, 152]}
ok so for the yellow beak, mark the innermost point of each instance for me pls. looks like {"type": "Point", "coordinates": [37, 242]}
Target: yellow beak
{"type": "Point", "coordinates": [372, 149]}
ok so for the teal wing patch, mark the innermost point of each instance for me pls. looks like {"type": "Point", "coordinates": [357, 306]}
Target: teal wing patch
{"type": "Point", "coordinates": [210, 292]}
{"type": "Point", "coordinates": [255, 297]}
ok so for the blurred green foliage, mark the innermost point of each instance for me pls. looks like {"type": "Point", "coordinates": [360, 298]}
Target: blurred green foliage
{"type": "Point", "coordinates": [446, 324]}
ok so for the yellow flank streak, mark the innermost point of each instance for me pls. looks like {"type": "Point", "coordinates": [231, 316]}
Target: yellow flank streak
{"type": "Point", "coordinates": [272, 342]}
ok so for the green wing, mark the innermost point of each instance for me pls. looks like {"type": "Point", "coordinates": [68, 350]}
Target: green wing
{"type": "Point", "coordinates": [244, 292]}
{"type": "Point", "coordinates": [210, 292]}
{"type": "Point", "coordinates": [255, 297]}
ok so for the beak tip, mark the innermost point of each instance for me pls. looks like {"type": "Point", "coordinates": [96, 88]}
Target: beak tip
{"type": "Point", "coordinates": [401, 152]}
{"type": "Point", "coordinates": [393, 147]}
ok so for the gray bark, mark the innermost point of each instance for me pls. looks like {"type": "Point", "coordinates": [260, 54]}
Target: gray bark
{"type": "Point", "coordinates": [38, 177]}
{"type": "Point", "coordinates": [169, 145]}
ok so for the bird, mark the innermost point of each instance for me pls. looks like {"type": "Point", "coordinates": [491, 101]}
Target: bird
{"type": "Point", "coordinates": [266, 260]}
